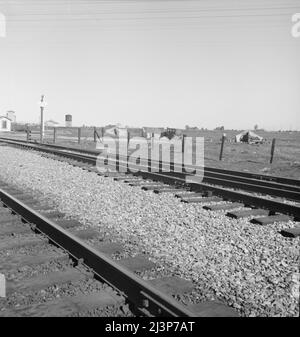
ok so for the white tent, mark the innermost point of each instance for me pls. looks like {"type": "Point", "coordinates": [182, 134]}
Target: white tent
{"type": "Point", "coordinates": [248, 137]}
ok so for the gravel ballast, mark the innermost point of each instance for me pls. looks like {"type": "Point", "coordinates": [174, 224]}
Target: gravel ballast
{"type": "Point", "coordinates": [250, 267]}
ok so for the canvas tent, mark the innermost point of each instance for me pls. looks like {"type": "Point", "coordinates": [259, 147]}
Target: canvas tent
{"type": "Point", "coordinates": [248, 137]}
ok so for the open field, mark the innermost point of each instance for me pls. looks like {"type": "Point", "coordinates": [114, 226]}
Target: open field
{"type": "Point", "coordinates": [236, 156]}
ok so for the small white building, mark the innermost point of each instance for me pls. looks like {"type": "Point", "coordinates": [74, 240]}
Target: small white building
{"type": "Point", "coordinates": [5, 123]}
{"type": "Point", "coordinates": [12, 116]}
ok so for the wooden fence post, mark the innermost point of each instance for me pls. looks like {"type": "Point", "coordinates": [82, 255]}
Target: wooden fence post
{"type": "Point", "coordinates": [182, 150]}
{"type": "Point", "coordinates": [54, 135]}
{"type": "Point", "coordinates": [79, 135]}
{"type": "Point", "coordinates": [28, 134]}
{"type": "Point", "coordinates": [128, 138]}
{"type": "Point", "coordinates": [222, 146]}
{"type": "Point", "coordinates": [95, 134]}
{"type": "Point", "coordinates": [272, 150]}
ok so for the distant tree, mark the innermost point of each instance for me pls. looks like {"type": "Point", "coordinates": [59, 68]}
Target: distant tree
{"type": "Point", "coordinates": [187, 127]}
{"type": "Point", "coordinates": [255, 127]}
{"type": "Point", "coordinates": [220, 128]}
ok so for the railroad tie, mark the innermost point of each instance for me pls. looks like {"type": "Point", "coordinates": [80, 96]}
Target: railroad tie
{"type": "Point", "coordinates": [200, 199]}
{"type": "Point", "coordinates": [154, 186]}
{"type": "Point", "coordinates": [172, 285]}
{"type": "Point", "coordinates": [133, 179]}
{"type": "Point", "coordinates": [17, 194]}
{"type": "Point", "coordinates": [179, 286]}
{"type": "Point", "coordinates": [68, 223]}
{"type": "Point", "coordinates": [138, 183]}
{"type": "Point", "coordinates": [81, 165]}
{"type": "Point", "coordinates": [14, 229]}
{"type": "Point", "coordinates": [53, 215]}
{"type": "Point", "coordinates": [86, 234]}
{"type": "Point", "coordinates": [40, 282]}
{"type": "Point", "coordinates": [169, 190]}
{"type": "Point", "coordinates": [67, 306]}
{"type": "Point", "coordinates": [109, 248]}
{"type": "Point", "coordinates": [187, 194]}
{"type": "Point", "coordinates": [291, 232]}
{"type": "Point", "coordinates": [16, 262]}
{"type": "Point", "coordinates": [30, 202]}
{"type": "Point", "coordinates": [126, 178]}
{"type": "Point", "coordinates": [212, 309]}
{"type": "Point", "coordinates": [27, 200]}
{"type": "Point", "coordinates": [11, 190]}
{"type": "Point", "coordinates": [4, 211]}
{"type": "Point", "coordinates": [16, 244]}
{"type": "Point", "coordinates": [223, 207]}
{"type": "Point", "coordinates": [247, 213]}
{"type": "Point", "coordinates": [93, 169]}
{"type": "Point", "coordinates": [9, 218]}
{"type": "Point", "coordinates": [38, 207]}
{"type": "Point", "coordinates": [137, 263]}
{"type": "Point", "coordinates": [267, 220]}
{"type": "Point", "coordinates": [114, 174]}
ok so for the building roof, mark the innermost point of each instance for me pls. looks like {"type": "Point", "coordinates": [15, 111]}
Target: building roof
{"type": "Point", "coordinates": [5, 117]}
{"type": "Point", "coordinates": [51, 121]}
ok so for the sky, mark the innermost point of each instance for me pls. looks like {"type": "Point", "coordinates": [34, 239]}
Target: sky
{"type": "Point", "coordinates": [167, 63]}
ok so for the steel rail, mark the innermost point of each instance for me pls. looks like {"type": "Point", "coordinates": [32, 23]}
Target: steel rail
{"type": "Point", "coordinates": [249, 200]}
{"type": "Point", "coordinates": [272, 205]}
{"type": "Point", "coordinates": [261, 179]}
{"type": "Point", "coordinates": [144, 296]}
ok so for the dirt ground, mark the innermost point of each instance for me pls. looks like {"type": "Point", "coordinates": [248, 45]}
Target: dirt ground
{"type": "Point", "coordinates": [236, 156]}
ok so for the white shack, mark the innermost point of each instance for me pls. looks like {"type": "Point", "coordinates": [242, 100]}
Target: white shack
{"type": "Point", "coordinates": [5, 123]}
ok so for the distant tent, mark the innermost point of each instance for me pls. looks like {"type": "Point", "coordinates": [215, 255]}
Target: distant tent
{"type": "Point", "coordinates": [112, 132]}
{"type": "Point", "coordinates": [51, 122]}
{"type": "Point", "coordinates": [248, 137]}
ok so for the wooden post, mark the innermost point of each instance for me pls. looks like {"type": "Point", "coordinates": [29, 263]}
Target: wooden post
{"type": "Point", "coordinates": [128, 138]}
{"type": "Point", "coordinates": [79, 135]}
{"type": "Point", "coordinates": [95, 135]}
{"type": "Point", "coordinates": [272, 150]}
{"type": "Point", "coordinates": [27, 134]}
{"type": "Point", "coordinates": [182, 150]}
{"type": "Point", "coordinates": [102, 131]}
{"type": "Point", "coordinates": [222, 146]}
{"type": "Point", "coordinates": [149, 156]}
{"type": "Point", "coordinates": [54, 135]}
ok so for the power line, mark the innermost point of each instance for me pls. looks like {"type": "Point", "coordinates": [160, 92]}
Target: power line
{"type": "Point", "coordinates": [68, 18]}
{"type": "Point", "coordinates": [169, 11]}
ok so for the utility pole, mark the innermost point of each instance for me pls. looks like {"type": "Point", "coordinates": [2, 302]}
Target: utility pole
{"type": "Point", "coordinates": [42, 128]}
{"type": "Point", "coordinates": [222, 146]}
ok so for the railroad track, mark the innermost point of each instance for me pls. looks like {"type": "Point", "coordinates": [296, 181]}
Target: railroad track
{"type": "Point", "coordinates": [34, 236]}
{"type": "Point", "coordinates": [266, 185]}
{"type": "Point", "coordinates": [146, 303]}
{"type": "Point", "coordinates": [263, 210]}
